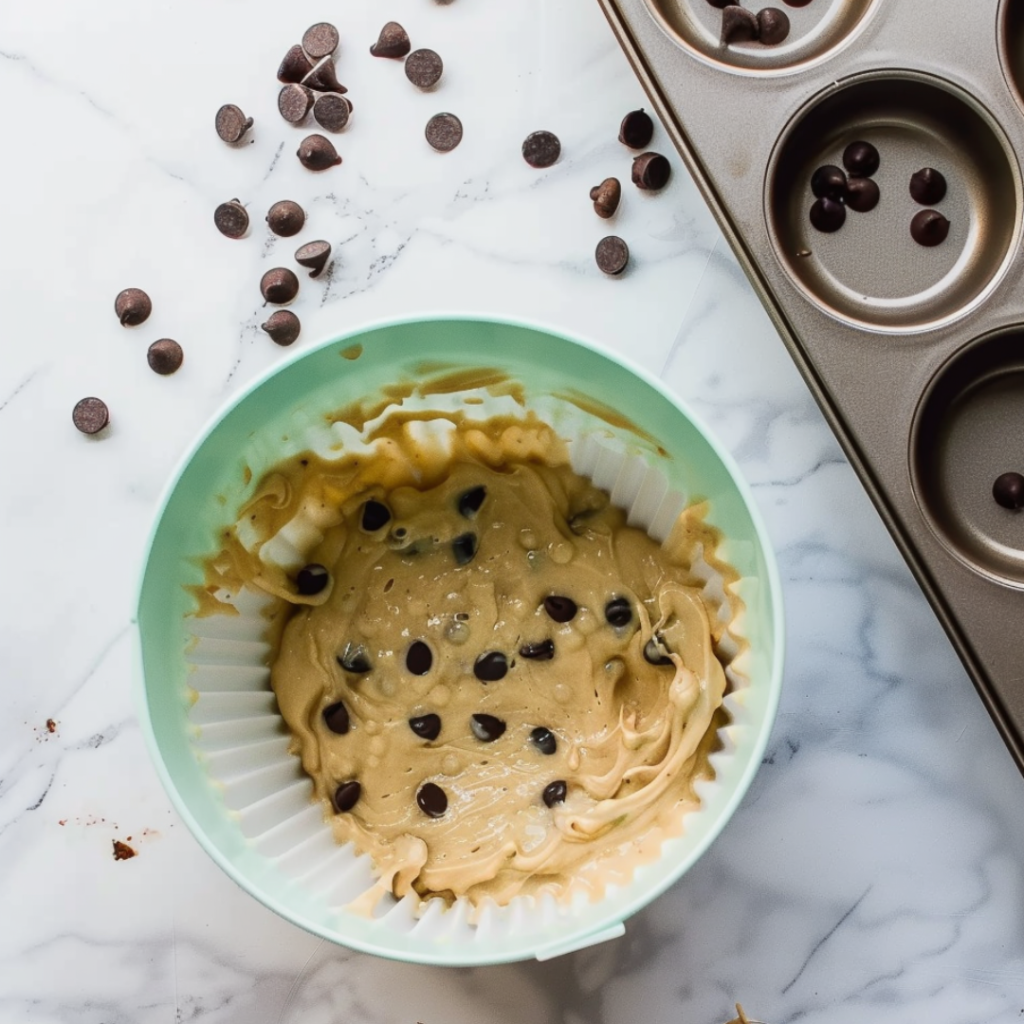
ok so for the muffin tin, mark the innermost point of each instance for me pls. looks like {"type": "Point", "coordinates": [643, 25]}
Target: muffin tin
{"type": "Point", "coordinates": [915, 354]}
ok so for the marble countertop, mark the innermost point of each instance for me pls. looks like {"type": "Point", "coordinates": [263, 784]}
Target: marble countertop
{"type": "Point", "coordinates": [875, 870]}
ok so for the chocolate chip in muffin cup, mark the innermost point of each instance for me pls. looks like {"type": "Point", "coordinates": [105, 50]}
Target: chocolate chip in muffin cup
{"type": "Point", "coordinates": [427, 727]}
{"type": "Point", "coordinates": [347, 795]}
{"type": "Point", "coordinates": [618, 612]}
{"type": "Point", "coordinates": [336, 718]}
{"type": "Point", "coordinates": [354, 659]}
{"type": "Point", "coordinates": [470, 502]}
{"type": "Point", "coordinates": [555, 793]}
{"type": "Point", "coordinates": [542, 651]}
{"type": "Point", "coordinates": [464, 548]}
{"type": "Point", "coordinates": [491, 667]}
{"type": "Point", "coordinates": [419, 659]}
{"type": "Point", "coordinates": [312, 579]}
{"type": "Point", "coordinates": [375, 515]}
{"type": "Point", "coordinates": [487, 728]}
{"type": "Point", "coordinates": [656, 653]}
{"type": "Point", "coordinates": [544, 740]}
{"type": "Point", "coordinates": [560, 609]}
{"type": "Point", "coordinates": [432, 800]}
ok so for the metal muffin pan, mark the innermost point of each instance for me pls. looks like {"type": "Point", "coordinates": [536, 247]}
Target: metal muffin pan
{"type": "Point", "coordinates": [915, 354]}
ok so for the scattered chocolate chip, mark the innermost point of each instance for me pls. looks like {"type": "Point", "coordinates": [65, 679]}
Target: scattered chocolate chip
{"type": "Point", "coordinates": [542, 651]}
{"type": "Point", "coordinates": [375, 515]}
{"type": "Point", "coordinates": [347, 795]}
{"type": "Point", "coordinates": [312, 578]}
{"type": "Point", "coordinates": [393, 41]}
{"type": "Point", "coordinates": [541, 149]}
{"type": "Point", "coordinates": [419, 658]}
{"type": "Point", "coordinates": [279, 285]}
{"type": "Point", "coordinates": [738, 25]}
{"type": "Point", "coordinates": [637, 129]}
{"type": "Point", "coordinates": [324, 78]}
{"type": "Point", "coordinates": [719, 3]}
{"type": "Point", "coordinates": [283, 326]}
{"type": "Point", "coordinates": [295, 66]}
{"type": "Point", "coordinates": [317, 153]}
{"type": "Point", "coordinates": [929, 228]}
{"type": "Point", "coordinates": [286, 218]}
{"type": "Point", "coordinates": [432, 800]}
{"type": "Point", "coordinates": [354, 659]}
{"type": "Point", "coordinates": [165, 356]}
{"type": "Point", "coordinates": [656, 653]}
{"type": "Point", "coordinates": [928, 186]}
{"type": "Point", "coordinates": [491, 667]}
{"type": "Point", "coordinates": [231, 123]}
{"type": "Point", "coordinates": [651, 171]}
{"type": "Point", "coordinates": [796, 3]}
{"type": "Point", "coordinates": [336, 718]}
{"type": "Point", "coordinates": [861, 159]}
{"type": "Point", "coordinates": [618, 612]}
{"type": "Point", "coordinates": [486, 728]}
{"type": "Point", "coordinates": [427, 727]}
{"type": "Point", "coordinates": [294, 102]}
{"type": "Point", "coordinates": [132, 307]}
{"type": "Point", "coordinates": [444, 132]}
{"type": "Point", "coordinates": [606, 197]}
{"type": "Point", "coordinates": [560, 609]}
{"type": "Point", "coordinates": [1008, 490]}
{"type": "Point", "coordinates": [827, 215]}
{"type": "Point", "coordinates": [90, 415]}
{"type": "Point", "coordinates": [862, 194]}
{"type": "Point", "coordinates": [122, 851]}
{"type": "Point", "coordinates": [314, 256]}
{"type": "Point", "coordinates": [544, 740]}
{"type": "Point", "coordinates": [469, 502]}
{"type": "Point", "coordinates": [231, 219]}
{"type": "Point", "coordinates": [612, 255]}
{"type": "Point", "coordinates": [320, 40]}
{"type": "Point", "coordinates": [772, 26]}
{"type": "Point", "coordinates": [829, 182]}
{"type": "Point", "coordinates": [423, 68]}
{"type": "Point", "coordinates": [464, 548]}
{"type": "Point", "coordinates": [555, 793]}
{"type": "Point", "coordinates": [332, 111]}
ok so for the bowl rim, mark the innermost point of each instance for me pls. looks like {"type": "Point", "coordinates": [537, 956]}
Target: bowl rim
{"type": "Point", "coordinates": [608, 929]}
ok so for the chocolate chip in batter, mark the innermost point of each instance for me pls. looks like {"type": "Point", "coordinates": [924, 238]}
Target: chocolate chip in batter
{"type": "Point", "coordinates": [555, 793]}
{"type": "Point", "coordinates": [471, 500]}
{"type": "Point", "coordinates": [418, 658]}
{"type": "Point", "coordinates": [464, 548]}
{"type": "Point", "coordinates": [432, 799]}
{"type": "Point", "coordinates": [655, 652]}
{"type": "Point", "coordinates": [312, 578]}
{"type": "Point", "coordinates": [336, 718]}
{"type": "Point", "coordinates": [544, 740]}
{"type": "Point", "coordinates": [487, 728]}
{"type": "Point", "coordinates": [375, 515]}
{"type": "Point", "coordinates": [561, 609]}
{"type": "Point", "coordinates": [354, 659]}
{"type": "Point", "coordinates": [542, 651]}
{"type": "Point", "coordinates": [618, 612]}
{"type": "Point", "coordinates": [347, 795]}
{"type": "Point", "coordinates": [426, 726]}
{"type": "Point", "coordinates": [491, 667]}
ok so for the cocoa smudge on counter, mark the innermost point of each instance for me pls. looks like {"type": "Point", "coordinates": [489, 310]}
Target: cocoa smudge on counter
{"type": "Point", "coordinates": [122, 851]}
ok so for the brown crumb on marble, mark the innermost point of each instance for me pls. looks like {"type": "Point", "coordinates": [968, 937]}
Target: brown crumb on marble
{"type": "Point", "coordinates": [122, 851]}
{"type": "Point", "coordinates": [51, 725]}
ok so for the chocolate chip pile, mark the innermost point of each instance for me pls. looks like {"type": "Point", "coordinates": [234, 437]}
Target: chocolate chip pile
{"type": "Point", "coordinates": [769, 26]}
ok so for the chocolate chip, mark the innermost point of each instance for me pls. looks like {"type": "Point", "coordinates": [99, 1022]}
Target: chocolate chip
{"type": "Point", "coordinates": [423, 68]}
{"type": "Point", "coordinates": [231, 123]}
{"type": "Point", "coordinates": [375, 515]}
{"type": "Point", "coordinates": [165, 356]}
{"type": "Point", "coordinates": [637, 129]}
{"type": "Point", "coordinates": [324, 78]}
{"type": "Point", "coordinates": [354, 659]}
{"type": "Point", "coordinates": [279, 285]}
{"type": "Point", "coordinates": [827, 215]}
{"type": "Point", "coordinates": [311, 579]}
{"type": "Point", "coordinates": [655, 652]}
{"type": "Point", "coordinates": [347, 795]}
{"type": "Point", "coordinates": [283, 326]}
{"type": "Point", "coordinates": [320, 40]}
{"type": "Point", "coordinates": [432, 799]}
{"type": "Point", "coordinates": [1008, 490]}
{"type": "Point", "coordinates": [464, 548]}
{"type": "Point", "coordinates": [419, 659]}
{"type": "Point", "coordinates": [829, 182]}
{"type": "Point", "coordinates": [231, 219]}
{"type": "Point", "coordinates": [560, 609]}
{"type": "Point", "coordinates": [336, 718]}
{"type": "Point", "coordinates": [606, 197]}
{"type": "Point", "coordinates": [929, 228]}
{"type": "Point", "coordinates": [491, 667]}
{"type": "Point", "coordinates": [618, 612]}
{"type": "Point", "coordinates": [861, 159]}
{"type": "Point", "coordinates": [772, 26]}
{"type": "Point", "coordinates": [286, 218]}
{"type": "Point", "coordinates": [444, 132]}
{"type": "Point", "coordinates": [542, 651]}
{"type": "Point", "coordinates": [486, 728]}
{"type": "Point", "coordinates": [651, 171]}
{"type": "Point", "coordinates": [469, 502]}
{"type": "Point", "coordinates": [541, 149]}
{"type": "Point", "coordinates": [862, 194]}
{"type": "Point", "coordinates": [719, 3]}
{"type": "Point", "coordinates": [132, 307]}
{"type": "Point", "coordinates": [796, 3]}
{"type": "Point", "coordinates": [427, 727]}
{"type": "Point", "coordinates": [294, 102]}
{"type": "Point", "coordinates": [393, 41]}
{"type": "Point", "coordinates": [611, 255]}
{"type": "Point", "coordinates": [332, 112]}
{"type": "Point", "coordinates": [738, 25]}
{"type": "Point", "coordinates": [317, 153]}
{"type": "Point", "coordinates": [295, 66]}
{"type": "Point", "coordinates": [314, 256]}
{"type": "Point", "coordinates": [555, 793]}
{"type": "Point", "coordinates": [544, 740]}
{"type": "Point", "coordinates": [90, 415]}
{"type": "Point", "coordinates": [927, 186]}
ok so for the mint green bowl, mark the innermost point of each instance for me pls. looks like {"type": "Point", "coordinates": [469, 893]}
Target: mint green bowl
{"type": "Point", "coordinates": [253, 432]}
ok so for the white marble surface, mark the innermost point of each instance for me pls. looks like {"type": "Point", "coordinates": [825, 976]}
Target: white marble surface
{"type": "Point", "coordinates": [875, 871]}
